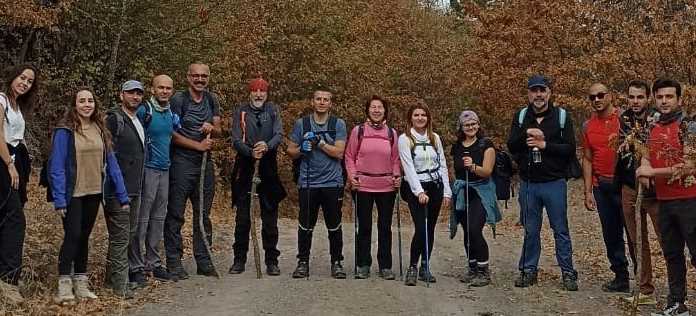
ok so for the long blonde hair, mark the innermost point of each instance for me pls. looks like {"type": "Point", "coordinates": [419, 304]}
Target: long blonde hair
{"type": "Point", "coordinates": [428, 126]}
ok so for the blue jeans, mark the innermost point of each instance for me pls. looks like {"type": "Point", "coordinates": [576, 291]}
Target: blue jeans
{"type": "Point", "coordinates": [533, 198]}
{"type": "Point", "coordinates": [608, 198]}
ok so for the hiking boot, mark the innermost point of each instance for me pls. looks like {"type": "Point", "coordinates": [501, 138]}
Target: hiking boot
{"type": "Point", "coordinates": [10, 293]}
{"type": "Point", "coordinates": [138, 279]}
{"type": "Point", "coordinates": [271, 269]}
{"type": "Point", "coordinates": [337, 270]}
{"type": "Point", "coordinates": [471, 274]}
{"type": "Point", "coordinates": [482, 278]}
{"type": "Point", "coordinates": [618, 284]}
{"type": "Point", "coordinates": [179, 272]}
{"type": "Point", "coordinates": [526, 279]}
{"type": "Point", "coordinates": [674, 309]}
{"type": "Point", "coordinates": [570, 281]}
{"type": "Point", "coordinates": [362, 273]}
{"type": "Point", "coordinates": [411, 276]}
{"type": "Point", "coordinates": [65, 290]}
{"type": "Point", "coordinates": [207, 270]}
{"type": "Point", "coordinates": [81, 287]}
{"type": "Point", "coordinates": [386, 274]}
{"type": "Point", "coordinates": [161, 274]}
{"type": "Point", "coordinates": [426, 276]}
{"type": "Point", "coordinates": [643, 299]}
{"type": "Point", "coordinates": [302, 270]}
{"type": "Point", "coordinates": [125, 293]}
{"type": "Point", "coordinates": [237, 267]}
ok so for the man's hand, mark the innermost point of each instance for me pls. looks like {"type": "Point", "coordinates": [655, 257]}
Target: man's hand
{"type": "Point", "coordinates": [535, 133]}
{"type": "Point", "coordinates": [535, 142]}
{"type": "Point", "coordinates": [590, 203]}
{"type": "Point", "coordinates": [259, 150]}
{"type": "Point", "coordinates": [206, 128]}
{"type": "Point", "coordinates": [205, 145]}
{"type": "Point", "coordinates": [645, 172]}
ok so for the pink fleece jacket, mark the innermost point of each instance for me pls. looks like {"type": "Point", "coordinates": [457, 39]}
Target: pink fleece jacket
{"type": "Point", "coordinates": [376, 163]}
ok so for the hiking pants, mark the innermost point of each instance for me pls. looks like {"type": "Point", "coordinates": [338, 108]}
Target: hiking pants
{"type": "Point", "coordinates": [385, 207]}
{"type": "Point", "coordinates": [269, 227]}
{"type": "Point", "coordinates": [678, 228]}
{"type": "Point", "coordinates": [418, 215]}
{"type": "Point", "coordinates": [78, 222]}
{"type": "Point", "coordinates": [184, 178]}
{"type": "Point", "coordinates": [121, 225]}
{"type": "Point", "coordinates": [472, 223]}
{"type": "Point", "coordinates": [330, 201]}
{"type": "Point", "coordinates": [150, 222]}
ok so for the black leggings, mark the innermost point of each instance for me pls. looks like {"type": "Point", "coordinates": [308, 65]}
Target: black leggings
{"type": "Point", "coordinates": [385, 206]}
{"type": "Point", "coordinates": [78, 223]}
{"type": "Point", "coordinates": [418, 211]}
{"type": "Point", "coordinates": [474, 242]}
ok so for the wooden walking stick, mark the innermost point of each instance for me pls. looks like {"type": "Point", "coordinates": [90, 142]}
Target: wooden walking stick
{"type": "Point", "coordinates": [201, 210]}
{"type": "Point", "coordinates": [637, 243]}
{"type": "Point", "coordinates": [254, 239]}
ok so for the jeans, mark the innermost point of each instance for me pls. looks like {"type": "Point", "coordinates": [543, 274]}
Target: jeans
{"type": "Point", "coordinates": [330, 200]}
{"type": "Point", "coordinates": [385, 207]}
{"type": "Point", "coordinates": [533, 197]}
{"type": "Point", "coordinates": [608, 198]}
{"type": "Point", "coordinates": [678, 228]}
{"type": "Point", "coordinates": [121, 225]}
{"type": "Point", "coordinates": [150, 224]}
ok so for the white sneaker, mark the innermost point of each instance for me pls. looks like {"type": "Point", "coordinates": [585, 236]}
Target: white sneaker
{"type": "Point", "coordinates": [676, 309]}
{"type": "Point", "coordinates": [10, 293]}
{"type": "Point", "coordinates": [65, 290]}
{"type": "Point", "coordinates": [81, 287]}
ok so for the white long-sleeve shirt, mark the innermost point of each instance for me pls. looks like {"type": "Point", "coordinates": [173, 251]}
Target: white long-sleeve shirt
{"type": "Point", "coordinates": [424, 158]}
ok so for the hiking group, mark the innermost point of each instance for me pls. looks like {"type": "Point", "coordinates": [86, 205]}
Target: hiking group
{"type": "Point", "coordinates": [143, 160]}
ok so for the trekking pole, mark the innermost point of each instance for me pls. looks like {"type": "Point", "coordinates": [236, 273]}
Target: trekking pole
{"type": "Point", "coordinates": [398, 229]}
{"type": "Point", "coordinates": [201, 209]}
{"type": "Point", "coordinates": [466, 196]}
{"type": "Point", "coordinates": [637, 243]}
{"type": "Point", "coordinates": [254, 239]}
{"type": "Point", "coordinates": [309, 205]}
{"type": "Point", "coordinates": [427, 259]}
{"type": "Point", "coordinates": [354, 195]}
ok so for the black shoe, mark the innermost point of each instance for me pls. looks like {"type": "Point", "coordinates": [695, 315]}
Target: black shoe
{"type": "Point", "coordinates": [237, 267]}
{"type": "Point", "coordinates": [386, 274]}
{"type": "Point", "coordinates": [161, 274]}
{"type": "Point", "coordinates": [618, 284]}
{"type": "Point", "coordinates": [482, 278]}
{"type": "Point", "coordinates": [138, 279]}
{"type": "Point", "coordinates": [178, 272]}
{"type": "Point", "coordinates": [471, 274]}
{"type": "Point", "coordinates": [426, 276]}
{"type": "Point", "coordinates": [674, 309]}
{"type": "Point", "coordinates": [526, 279]}
{"type": "Point", "coordinates": [337, 270]}
{"type": "Point", "coordinates": [272, 269]}
{"type": "Point", "coordinates": [411, 276]}
{"type": "Point", "coordinates": [570, 281]}
{"type": "Point", "coordinates": [362, 273]}
{"type": "Point", "coordinates": [208, 270]}
{"type": "Point", "coordinates": [302, 270]}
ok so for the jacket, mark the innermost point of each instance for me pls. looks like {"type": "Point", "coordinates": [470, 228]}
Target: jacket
{"type": "Point", "coordinates": [129, 151]}
{"type": "Point", "coordinates": [62, 170]}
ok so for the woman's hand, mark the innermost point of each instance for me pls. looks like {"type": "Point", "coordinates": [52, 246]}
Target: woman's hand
{"type": "Point", "coordinates": [14, 176]}
{"type": "Point", "coordinates": [423, 198]}
{"type": "Point", "coordinates": [468, 162]}
{"type": "Point", "coordinates": [61, 212]}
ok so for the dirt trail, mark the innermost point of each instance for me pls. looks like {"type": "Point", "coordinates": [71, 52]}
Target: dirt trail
{"type": "Point", "coordinates": [322, 295]}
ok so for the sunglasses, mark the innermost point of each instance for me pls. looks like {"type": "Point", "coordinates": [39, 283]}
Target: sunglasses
{"type": "Point", "coordinates": [598, 96]}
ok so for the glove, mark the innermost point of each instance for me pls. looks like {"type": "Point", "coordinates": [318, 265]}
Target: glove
{"type": "Point", "coordinates": [306, 146]}
{"type": "Point", "coordinates": [312, 137]}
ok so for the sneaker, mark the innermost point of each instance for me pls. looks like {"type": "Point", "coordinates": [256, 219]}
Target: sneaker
{"type": "Point", "coordinates": [125, 293]}
{"type": "Point", "coordinates": [81, 287]}
{"type": "Point", "coordinates": [271, 269]}
{"type": "Point", "coordinates": [161, 274]}
{"type": "Point", "coordinates": [386, 274]}
{"type": "Point", "coordinates": [237, 268]}
{"type": "Point", "coordinates": [302, 270]}
{"type": "Point", "coordinates": [411, 276]}
{"type": "Point", "coordinates": [526, 279]}
{"type": "Point", "coordinates": [470, 275]}
{"type": "Point", "coordinates": [643, 299]}
{"type": "Point", "coordinates": [674, 309]}
{"type": "Point", "coordinates": [179, 272]}
{"type": "Point", "coordinates": [426, 276]}
{"type": "Point", "coordinates": [618, 284]}
{"type": "Point", "coordinates": [337, 270]}
{"type": "Point", "coordinates": [138, 279]}
{"type": "Point", "coordinates": [362, 273]}
{"type": "Point", "coordinates": [570, 281]}
{"type": "Point", "coordinates": [482, 278]}
{"type": "Point", "coordinates": [207, 270]}
{"type": "Point", "coordinates": [10, 293]}
{"type": "Point", "coordinates": [65, 290]}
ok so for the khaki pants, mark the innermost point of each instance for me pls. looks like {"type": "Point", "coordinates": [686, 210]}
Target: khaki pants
{"type": "Point", "coordinates": [649, 207]}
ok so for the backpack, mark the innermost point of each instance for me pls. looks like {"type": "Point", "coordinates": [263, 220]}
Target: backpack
{"type": "Point", "coordinates": [361, 132]}
{"type": "Point", "coordinates": [502, 174]}
{"type": "Point", "coordinates": [573, 170]}
{"type": "Point", "coordinates": [307, 127]}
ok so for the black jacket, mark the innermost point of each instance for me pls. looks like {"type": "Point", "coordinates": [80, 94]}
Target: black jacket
{"type": "Point", "coordinates": [129, 151]}
{"type": "Point", "coordinates": [560, 145]}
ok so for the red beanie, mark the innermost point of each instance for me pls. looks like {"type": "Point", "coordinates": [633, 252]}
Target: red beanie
{"type": "Point", "coordinates": [258, 84]}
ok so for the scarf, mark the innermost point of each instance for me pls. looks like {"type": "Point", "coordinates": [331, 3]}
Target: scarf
{"type": "Point", "coordinates": [156, 105]}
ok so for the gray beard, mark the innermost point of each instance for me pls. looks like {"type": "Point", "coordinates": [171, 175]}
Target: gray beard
{"type": "Point", "coordinates": [257, 104]}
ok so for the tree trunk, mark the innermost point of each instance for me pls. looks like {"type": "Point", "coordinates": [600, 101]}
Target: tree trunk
{"type": "Point", "coordinates": [113, 61]}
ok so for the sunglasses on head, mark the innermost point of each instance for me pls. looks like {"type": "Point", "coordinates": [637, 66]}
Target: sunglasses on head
{"type": "Point", "coordinates": [598, 96]}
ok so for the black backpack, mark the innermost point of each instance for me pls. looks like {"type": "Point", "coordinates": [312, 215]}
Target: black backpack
{"type": "Point", "coordinates": [502, 176]}
{"type": "Point", "coordinates": [307, 127]}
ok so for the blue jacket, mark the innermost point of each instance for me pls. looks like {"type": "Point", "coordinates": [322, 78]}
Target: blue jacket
{"type": "Point", "coordinates": [62, 169]}
{"type": "Point", "coordinates": [486, 191]}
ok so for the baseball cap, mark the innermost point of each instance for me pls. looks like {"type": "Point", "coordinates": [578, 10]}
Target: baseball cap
{"type": "Point", "coordinates": [538, 81]}
{"type": "Point", "coordinates": [132, 85]}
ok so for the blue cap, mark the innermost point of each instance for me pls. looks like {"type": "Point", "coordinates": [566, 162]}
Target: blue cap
{"type": "Point", "coordinates": [538, 81]}
{"type": "Point", "coordinates": [132, 85]}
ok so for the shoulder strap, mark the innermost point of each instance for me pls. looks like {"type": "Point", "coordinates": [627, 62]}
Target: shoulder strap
{"type": "Point", "coordinates": [361, 133]}
{"type": "Point", "coordinates": [306, 125]}
{"type": "Point", "coordinates": [520, 117]}
{"type": "Point", "coordinates": [562, 117]}
{"type": "Point", "coordinates": [331, 128]}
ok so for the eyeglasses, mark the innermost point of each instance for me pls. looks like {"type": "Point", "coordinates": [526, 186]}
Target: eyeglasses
{"type": "Point", "coordinates": [470, 125]}
{"type": "Point", "coordinates": [598, 96]}
{"type": "Point", "coordinates": [199, 76]}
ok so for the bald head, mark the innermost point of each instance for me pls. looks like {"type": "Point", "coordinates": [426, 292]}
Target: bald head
{"type": "Point", "coordinates": [162, 88]}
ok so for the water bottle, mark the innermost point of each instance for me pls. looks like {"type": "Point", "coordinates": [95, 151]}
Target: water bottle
{"type": "Point", "coordinates": [536, 155]}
